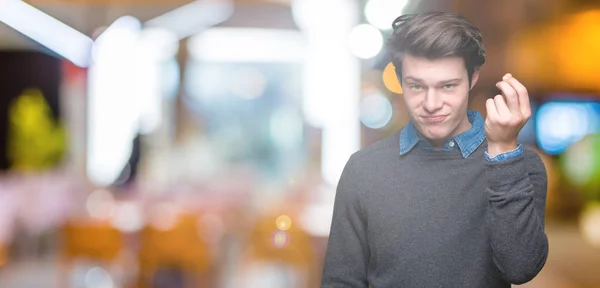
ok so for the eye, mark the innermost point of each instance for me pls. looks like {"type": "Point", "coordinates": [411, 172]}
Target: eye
{"type": "Point", "coordinates": [449, 86]}
{"type": "Point", "coordinates": [415, 87]}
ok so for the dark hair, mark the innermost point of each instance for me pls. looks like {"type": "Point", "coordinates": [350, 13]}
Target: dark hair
{"type": "Point", "coordinates": [435, 35]}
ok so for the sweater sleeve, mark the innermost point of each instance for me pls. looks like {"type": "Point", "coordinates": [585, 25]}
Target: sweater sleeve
{"type": "Point", "coordinates": [517, 196]}
{"type": "Point", "coordinates": [347, 253]}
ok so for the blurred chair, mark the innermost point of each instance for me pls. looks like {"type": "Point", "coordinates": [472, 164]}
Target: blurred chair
{"type": "Point", "coordinates": [179, 247]}
{"type": "Point", "coordinates": [3, 257]}
{"type": "Point", "coordinates": [97, 241]}
{"type": "Point", "coordinates": [289, 247]}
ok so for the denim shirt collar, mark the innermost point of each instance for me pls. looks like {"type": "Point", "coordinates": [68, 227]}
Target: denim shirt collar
{"type": "Point", "coordinates": [467, 141]}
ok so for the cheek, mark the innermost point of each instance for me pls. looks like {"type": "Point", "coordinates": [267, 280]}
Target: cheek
{"type": "Point", "coordinates": [412, 101]}
{"type": "Point", "coordinates": [458, 100]}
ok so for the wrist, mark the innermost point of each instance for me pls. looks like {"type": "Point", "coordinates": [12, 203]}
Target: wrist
{"type": "Point", "coordinates": [499, 148]}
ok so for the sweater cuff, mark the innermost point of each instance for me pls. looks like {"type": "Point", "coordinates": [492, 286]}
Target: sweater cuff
{"type": "Point", "coordinates": [503, 175]}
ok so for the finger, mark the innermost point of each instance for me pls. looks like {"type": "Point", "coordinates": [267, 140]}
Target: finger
{"type": "Point", "coordinates": [490, 106]}
{"type": "Point", "coordinates": [503, 110]}
{"type": "Point", "coordinates": [523, 94]}
{"type": "Point", "coordinates": [512, 99]}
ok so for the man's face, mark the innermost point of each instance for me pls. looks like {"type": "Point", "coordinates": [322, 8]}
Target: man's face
{"type": "Point", "coordinates": [436, 93]}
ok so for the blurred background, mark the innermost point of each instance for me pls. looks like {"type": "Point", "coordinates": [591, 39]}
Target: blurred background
{"type": "Point", "coordinates": [148, 143]}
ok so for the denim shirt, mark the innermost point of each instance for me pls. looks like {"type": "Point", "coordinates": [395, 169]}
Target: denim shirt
{"type": "Point", "coordinates": [467, 141]}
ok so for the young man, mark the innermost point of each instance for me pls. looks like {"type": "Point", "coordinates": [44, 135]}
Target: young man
{"type": "Point", "coordinates": [451, 200]}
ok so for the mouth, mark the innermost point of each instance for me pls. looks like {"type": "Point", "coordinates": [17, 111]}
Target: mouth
{"type": "Point", "coordinates": [434, 119]}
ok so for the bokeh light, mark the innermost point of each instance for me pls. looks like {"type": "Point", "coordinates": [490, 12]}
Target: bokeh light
{"type": "Point", "coordinates": [390, 79]}
{"type": "Point", "coordinates": [590, 223]}
{"type": "Point", "coordinates": [376, 111]}
{"type": "Point", "coordinates": [283, 222]}
{"type": "Point", "coordinates": [581, 164]}
{"type": "Point", "coordinates": [576, 49]}
{"type": "Point", "coordinates": [164, 216]}
{"type": "Point", "coordinates": [280, 239]}
{"type": "Point", "coordinates": [365, 41]}
{"type": "Point", "coordinates": [98, 277]}
{"type": "Point", "coordinates": [560, 124]}
{"type": "Point", "coordinates": [381, 13]}
{"type": "Point", "coordinates": [100, 204]}
{"type": "Point", "coordinates": [128, 217]}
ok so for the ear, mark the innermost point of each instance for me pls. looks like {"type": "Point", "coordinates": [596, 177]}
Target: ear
{"type": "Point", "coordinates": [474, 78]}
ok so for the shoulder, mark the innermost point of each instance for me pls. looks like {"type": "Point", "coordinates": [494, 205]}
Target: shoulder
{"type": "Point", "coordinates": [374, 156]}
{"type": "Point", "coordinates": [385, 147]}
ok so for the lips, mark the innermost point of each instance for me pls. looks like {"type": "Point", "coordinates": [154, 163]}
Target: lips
{"type": "Point", "coordinates": [434, 119]}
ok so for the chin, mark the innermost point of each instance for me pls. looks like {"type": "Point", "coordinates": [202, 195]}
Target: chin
{"type": "Point", "coordinates": [438, 137]}
{"type": "Point", "coordinates": [435, 133]}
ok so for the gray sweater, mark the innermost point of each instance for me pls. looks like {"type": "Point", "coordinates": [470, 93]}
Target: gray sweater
{"type": "Point", "coordinates": [436, 219]}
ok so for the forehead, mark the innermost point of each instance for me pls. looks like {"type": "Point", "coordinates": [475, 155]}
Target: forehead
{"type": "Point", "coordinates": [433, 70]}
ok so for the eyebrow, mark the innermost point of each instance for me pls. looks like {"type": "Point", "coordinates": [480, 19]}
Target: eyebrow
{"type": "Point", "coordinates": [439, 82]}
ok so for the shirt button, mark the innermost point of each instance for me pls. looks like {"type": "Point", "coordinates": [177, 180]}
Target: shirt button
{"type": "Point", "coordinates": [451, 144]}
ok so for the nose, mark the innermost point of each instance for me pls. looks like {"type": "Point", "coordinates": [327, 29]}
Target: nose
{"type": "Point", "coordinates": [432, 101]}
